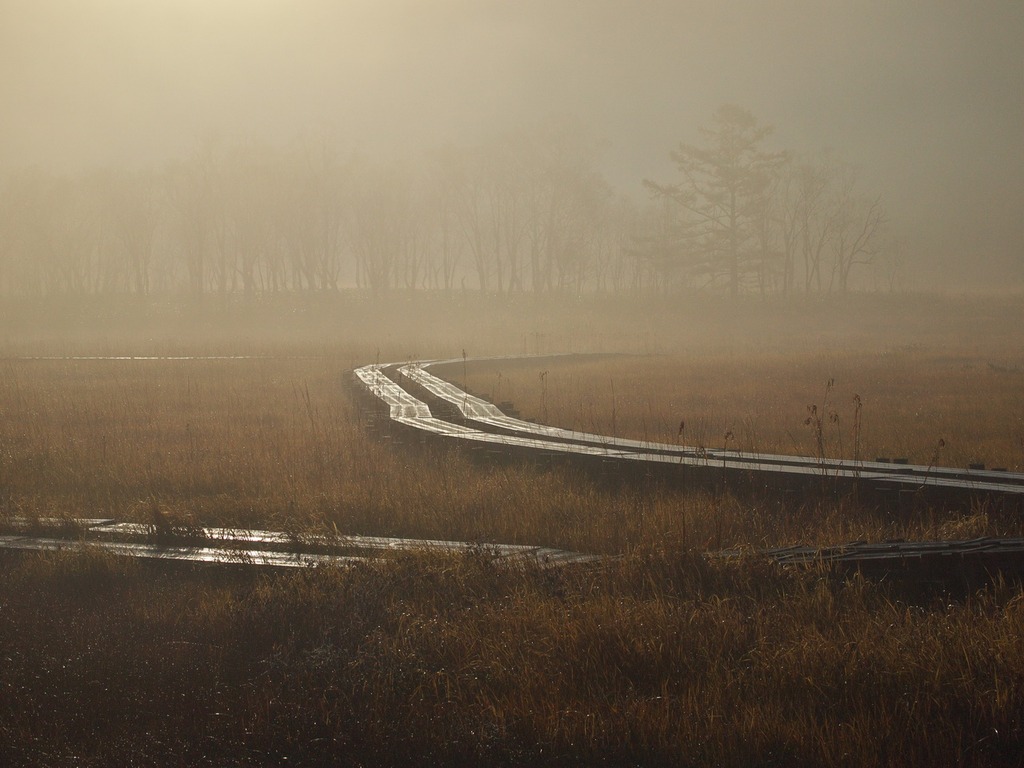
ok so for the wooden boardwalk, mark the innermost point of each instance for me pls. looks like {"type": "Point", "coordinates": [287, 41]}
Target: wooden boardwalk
{"type": "Point", "coordinates": [410, 401]}
{"type": "Point", "coordinates": [419, 401]}
{"type": "Point", "coordinates": [245, 547]}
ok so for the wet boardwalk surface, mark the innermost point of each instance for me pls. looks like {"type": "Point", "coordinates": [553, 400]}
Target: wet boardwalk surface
{"type": "Point", "coordinates": [419, 401]}
{"type": "Point", "coordinates": [970, 560]}
{"type": "Point", "coordinates": [246, 547]}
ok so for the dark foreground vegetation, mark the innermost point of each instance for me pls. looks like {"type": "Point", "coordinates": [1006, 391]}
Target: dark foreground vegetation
{"type": "Point", "coordinates": [659, 659]}
{"type": "Point", "coordinates": [659, 656]}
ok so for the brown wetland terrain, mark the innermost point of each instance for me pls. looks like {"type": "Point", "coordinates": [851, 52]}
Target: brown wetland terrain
{"type": "Point", "coordinates": [660, 655]}
{"type": "Point", "coordinates": [742, 230]}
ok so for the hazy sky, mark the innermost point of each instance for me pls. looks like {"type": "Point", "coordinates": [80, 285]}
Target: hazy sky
{"type": "Point", "coordinates": [926, 97]}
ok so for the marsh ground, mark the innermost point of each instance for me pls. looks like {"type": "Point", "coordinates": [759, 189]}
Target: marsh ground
{"type": "Point", "coordinates": [661, 657]}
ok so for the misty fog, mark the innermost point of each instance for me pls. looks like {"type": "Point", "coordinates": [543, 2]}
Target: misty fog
{"type": "Point", "coordinates": [363, 107]}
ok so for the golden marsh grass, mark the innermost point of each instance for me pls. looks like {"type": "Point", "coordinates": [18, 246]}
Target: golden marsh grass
{"type": "Point", "coordinates": [659, 657]}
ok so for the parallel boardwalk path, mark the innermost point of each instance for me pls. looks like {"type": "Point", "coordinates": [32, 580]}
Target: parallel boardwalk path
{"type": "Point", "coordinates": [418, 403]}
{"type": "Point", "coordinates": [441, 409]}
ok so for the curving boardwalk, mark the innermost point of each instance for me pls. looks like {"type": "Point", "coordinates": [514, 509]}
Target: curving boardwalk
{"type": "Point", "coordinates": [418, 400]}
{"type": "Point", "coordinates": [418, 403]}
{"type": "Point", "coordinates": [245, 547]}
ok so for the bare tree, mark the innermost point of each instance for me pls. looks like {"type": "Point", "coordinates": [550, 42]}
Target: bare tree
{"type": "Point", "coordinates": [134, 213]}
{"type": "Point", "coordinates": [725, 182]}
{"type": "Point", "coordinates": [817, 216]}
{"type": "Point", "coordinates": [445, 247]}
{"type": "Point", "coordinates": [191, 193]}
{"type": "Point", "coordinates": [821, 217]}
{"type": "Point", "coordinates": [856, 239]}
{"type": "Point", "coordinates": [464, 179]}
{"type": "Point", "coordinates": [383, 232]}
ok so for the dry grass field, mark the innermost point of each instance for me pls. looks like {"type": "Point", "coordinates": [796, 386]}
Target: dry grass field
{"type": "Point", "coordinates": [946, 407]}
{"type": "Point", "coordinates": [659, 657]}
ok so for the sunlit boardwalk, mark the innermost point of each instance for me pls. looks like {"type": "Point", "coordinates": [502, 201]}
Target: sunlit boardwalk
{"type": "Point", "coordinates": [477, 421]}
{"type": "Point", "coordinates": [246, 547]}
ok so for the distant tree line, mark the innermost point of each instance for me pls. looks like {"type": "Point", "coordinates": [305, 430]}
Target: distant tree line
{"type": "Point", "coordinates": [527, 212]}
